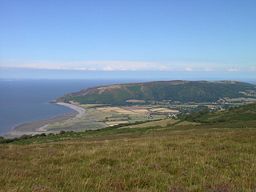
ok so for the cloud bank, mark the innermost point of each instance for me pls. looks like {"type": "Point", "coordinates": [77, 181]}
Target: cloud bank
{"type": "Point", "coordinates": [126, 66]}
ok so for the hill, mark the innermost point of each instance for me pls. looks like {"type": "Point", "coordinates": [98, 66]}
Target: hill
{"type": "Point", "coordinates": [183, 91]}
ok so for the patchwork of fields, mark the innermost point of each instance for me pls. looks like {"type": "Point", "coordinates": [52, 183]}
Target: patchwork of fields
{"type": "Point", "coordinates": [100, 116]}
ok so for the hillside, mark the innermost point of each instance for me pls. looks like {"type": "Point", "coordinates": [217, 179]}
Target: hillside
{"type": "Point", "coordinates": [174, 157]}
{"type": "Point", "coordinates": [243, 116]}
{"type": "Point", "coordinates": [183, 91]}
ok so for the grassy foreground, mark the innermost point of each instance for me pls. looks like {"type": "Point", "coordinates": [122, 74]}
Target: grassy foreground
{"type": "Point", "coordinates": [178, 159]}
{"type": "Point", "coordinates": [173, 156]}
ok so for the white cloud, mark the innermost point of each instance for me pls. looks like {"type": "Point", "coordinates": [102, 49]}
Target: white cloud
{"type": "Point", "coordinates": [127, 66]}
{"type": "Point", "coordinates": [233, 69]}
{"type": "Point", "coordinates": [93, 65]}
{"type": "Point", "coordinates": [208, 69]}
{"type": "Point", "coordinates": [253, 69]}
{"type": "Point", "coordinates": [188, 69]}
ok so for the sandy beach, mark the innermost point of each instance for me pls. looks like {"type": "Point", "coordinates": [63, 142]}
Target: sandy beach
{"type": "Point", "coordinates": [38, 127]}
{"type": "Point", "coordinates": [76, 108]}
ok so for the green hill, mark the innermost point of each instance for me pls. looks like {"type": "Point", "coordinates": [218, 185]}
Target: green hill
{"type": "Point", "coordinates": [242, 116]}
{"type": "Point", "coordinates": [183, 91]}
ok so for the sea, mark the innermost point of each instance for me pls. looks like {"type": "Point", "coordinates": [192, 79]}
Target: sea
{"type": "Point", "coordinates": [23, 101]}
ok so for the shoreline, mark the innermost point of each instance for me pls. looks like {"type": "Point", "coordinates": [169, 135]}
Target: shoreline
{"type": "Point", "coordinates": [80, 111]}
{"type": "Point", "coordinates": [40, 126]}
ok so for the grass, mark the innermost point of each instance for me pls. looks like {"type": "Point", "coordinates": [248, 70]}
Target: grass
{"type": "Point", "coordinates": [172, 159]}
{"type": "Point", "coordinates": [243, 114]}
{"type": "Point", "coordinates": [160, 123]}
{"type": "Point", "coordinates": [177, 157]}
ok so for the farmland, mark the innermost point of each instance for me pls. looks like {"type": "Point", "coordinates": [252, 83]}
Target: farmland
{"type": "Point", "coordinates": [98, 117]}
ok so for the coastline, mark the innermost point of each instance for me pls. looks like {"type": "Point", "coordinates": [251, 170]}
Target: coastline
{"type": "Point", "coordinates": [40, 126]}
{"type": "Point", "coordinates": [80, 111]}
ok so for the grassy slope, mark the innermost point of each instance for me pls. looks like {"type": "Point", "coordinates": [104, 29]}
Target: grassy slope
{"type": "Point", "coordinates": [239, 117]}
{"type": "Point", "coordinates": [173, 158]}
{"type": "Point", "coordinates": [197, 91]}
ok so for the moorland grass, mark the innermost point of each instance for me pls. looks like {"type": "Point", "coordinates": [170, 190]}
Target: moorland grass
{"type": "Point", "coordinates": [185, 158]}
{"type": "Point", "coordinates": [215, 156]}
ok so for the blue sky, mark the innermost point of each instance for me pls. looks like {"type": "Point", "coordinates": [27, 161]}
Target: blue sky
{"type": "Point", "coordinates": [88, 36]}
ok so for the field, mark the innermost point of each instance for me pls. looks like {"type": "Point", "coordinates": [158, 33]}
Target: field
{"type": "Point", "coordinates": [100, 116]}
{"type": "Point", "coordinates": [174, 159]}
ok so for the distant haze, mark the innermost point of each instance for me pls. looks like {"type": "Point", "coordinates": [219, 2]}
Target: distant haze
{"type": "Point", "coordinates": [18, 73]}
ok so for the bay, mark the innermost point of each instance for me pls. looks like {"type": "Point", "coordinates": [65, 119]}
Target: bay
{"type": "Point", "coordinates": [23, 101]}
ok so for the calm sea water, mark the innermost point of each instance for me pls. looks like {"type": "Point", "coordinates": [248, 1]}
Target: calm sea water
{"type": "Point", "coordinates": [28, 100]}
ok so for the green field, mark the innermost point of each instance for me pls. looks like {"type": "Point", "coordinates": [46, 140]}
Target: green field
{"type": "Point", "coordinates": [175, 156]}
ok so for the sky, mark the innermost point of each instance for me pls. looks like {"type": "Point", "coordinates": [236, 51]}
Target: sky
{"type": "Point", "coordinates": [158, 39]}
